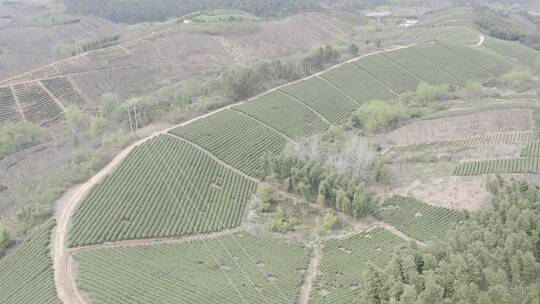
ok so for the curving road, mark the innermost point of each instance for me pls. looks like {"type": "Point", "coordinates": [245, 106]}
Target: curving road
{"type": "Point", "coordinates": [64, 276]}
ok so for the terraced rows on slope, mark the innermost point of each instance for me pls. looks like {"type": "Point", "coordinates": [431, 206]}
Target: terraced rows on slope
{"type": "Point", "coordinates": [166, 187]}
{"type": "Point", "coordinates": [327, 100]}
{"type": "Point", "coordinates": [458, 66]}
{"type": "Point", "coordinates": [389, 72]}
{"type": "Point", "coordinates": [26, 274]}
{"type": "Point", "coordinates": [344, 260]}
{"type": "Point", "coordinates": [285, 114]}
{"type": "Point", "coordinates": [419, 66]}
{"type": "Point", "coordinates": [234, 138]}
{"type": "Point", "coordinates": [213, 271]}
{"type": "Point", "coordinates": [468, 142]}
{"type": "Point", "coordinates": [358, 84]}
{"type": "Point", "coordinates": [417, 219]}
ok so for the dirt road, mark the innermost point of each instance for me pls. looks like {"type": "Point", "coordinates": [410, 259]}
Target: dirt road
{"type": "Point", "coordinates": [63, 275]}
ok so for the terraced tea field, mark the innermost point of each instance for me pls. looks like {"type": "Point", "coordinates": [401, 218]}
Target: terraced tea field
{"type": "Point", "coordinates": [37, 105]}
{"type": "Point", "coordinates": [238, 268]}
{"type": "Point", "coordinates": [495, 65]}
{"type": "Point", "coordinates": [458, 66]}
{"type": "Point", "coordinates": [235, 139]}
{"type": "Point", "coordinates": [512, 50]}
{"type": "Point", "coordinates": [26, 274]}
{"type": "Point", "coordinates": [343, 261]}
{"type": "Point", "coordinates": [8, 109]}
{"type": "Point", "coordinates": [532, 149]}
{"type": "Point", "coordinates": [417, 219]}
{"type": "Point", "coordinates": [64, 91]}
{"type": "Point", "coordinates": [285, 114]}
{"type": "Point", "coordinates": [508, 165]}
{"type": "Point", "coordinates": [389, 73]}
{"type": "Point", "coordinates": [468, 142]}
{"type": "Point", "coordinates": [358, 84]}
{"type": "Point", "coordinates": [419, 66]}
{"type": "Point", "coordinates": [165, 188]}
{"type": "Point", "coordinates": [328, 101]}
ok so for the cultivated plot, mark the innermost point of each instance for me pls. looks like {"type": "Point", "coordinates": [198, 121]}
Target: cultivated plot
{"type": "Point", "coordinates": [344, 260]}
{"type": "Point", "coordinates": [468, 142]}
{"type": "Point", "coordinates": [513, 50]}
{"type": "Point", "coordinates": [495, 65]}
{"type": "Point", "coordinates": [285, 114]}
{"type": "Point", "coordinates": [238, 268]}
{"type": "Point", "coordinates": [26, 274]}
{"type": "Point", "coordinates": [37, 105]}
{"type": "Point", "coordinates": [8, 109]}
{"type": "Point", "coordinates": [358, 84]}
{"type": "Point", "coordinates": [419, 66]}
{"type": "Point", "coordinates": [236, 139]}
{"type": "Point", "coordinates": [417, 219]}
{"type": "Point", "coordinates": [327, 100]}
{"type": "Point", "coordinates": [166, 187]}
{"type": "Point", "coordinates": [458, 66]}
{"type": "Point", "coordinates": [390, 73]}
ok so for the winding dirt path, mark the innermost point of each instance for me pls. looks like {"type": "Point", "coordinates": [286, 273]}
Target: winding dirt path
{"type": "Point", "coordinates": [64, 275]}
{"type": "Point", "coordinates": [313, 267]}
{"type": "Point", "coordinates": [482, 38]}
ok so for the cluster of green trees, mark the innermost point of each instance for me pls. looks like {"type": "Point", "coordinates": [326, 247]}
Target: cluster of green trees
{"type": "Point", "coordinates": [379, 116]}
{"type": "Point", "coordinates": [495, 23]}
{"type": "Point", "coordinates": [492, 258]}
{"type": "Point", "coordinates": [242, 82]}
{"type": "Point", "coordinates": [64, 50]}
{"type": "Point", "coordinates": [133, 11]}
{"type": "Point", "coordinates": [18, 136]}
{"type": "Point", "coordinates": [316, 179]}
{"type": "Point", "coordinates": [196, 96]}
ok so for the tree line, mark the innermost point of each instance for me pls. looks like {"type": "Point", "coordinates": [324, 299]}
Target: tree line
{"type": "Point", "coordinates": [330, 170]}
{"type": "Point", "coordinates": [492, 258]}
{"type": "Point", "coordinates": [133, 11]}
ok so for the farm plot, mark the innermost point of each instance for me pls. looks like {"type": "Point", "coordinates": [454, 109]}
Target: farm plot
{"type": "Point", "coordinates": [468, 110]}
{"type": "Point", "coordinates": [328, 101]}
{"type": "Point", "coordinates": [513, 50]}
{"type": "Point", "coordinates": [213, 271]}
{"type": "Point", "coordinates": [166, 187]}
{"type": "Point", "coordinates": [358, 84]}
{"type": "Point", "coordinates": [509, 165]}
{"type": "Point", "coordinates": [390, 73]}
{"type": "Point", "coordinates": [37, 105]}
{"type": "Point", "coordinates": [458, 66]}
{"type": "Point", "coordinates": [473, 141]}
{"type": "Point", "coordinates": [26, 274]}
{"type": "Point", "coordinates": [419, 66]}
{"type": "Point", "coordinates": [495, 65]}
{"type": "Point", "coordinates": [476, 124]}
{"type": "Point", "coordinates": [532, 149]}
{"type": "Point", "coordinates": [285, 114]}
{"type": "Point", "coordinates": [64, 91]}
{"type": "Point", "coordinates": [417, 219]}
{"type": "Point", "coordinates": [343, 261]}
{"type": "Point", "coordinates": [8, 112]}
{"type": "Point", "coordinates": [235, 139]}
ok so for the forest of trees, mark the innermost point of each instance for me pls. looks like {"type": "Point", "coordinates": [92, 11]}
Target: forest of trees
{"type": "Point", "coordinates": [492, 258]}
{"type": "Point", "coordinates": [330, 170]}
{"type": "Point", "coordinates": [494, 23]}
{"type": "Point", "coordinates": [133, 11]}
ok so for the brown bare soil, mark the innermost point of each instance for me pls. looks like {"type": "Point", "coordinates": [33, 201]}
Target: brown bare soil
{"type": "Point", "coordinates": [154, 60]}
{"type": "Point", "coordinates": [26, 44]}
{"type": "Point", "coordinates": [452, 192]}
{"type": "Point", "coordinates": [462, 126]}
